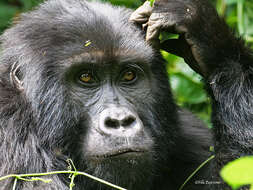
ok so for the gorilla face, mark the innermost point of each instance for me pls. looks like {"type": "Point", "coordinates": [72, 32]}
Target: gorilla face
{"type": "Point", "coordinates": [110, 93]}
{"type": "Point", "coordinates": [119, 129]}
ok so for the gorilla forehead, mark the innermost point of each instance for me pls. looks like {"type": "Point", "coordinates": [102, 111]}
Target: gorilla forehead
{"type": "Point", "coordinates": [62, 28]}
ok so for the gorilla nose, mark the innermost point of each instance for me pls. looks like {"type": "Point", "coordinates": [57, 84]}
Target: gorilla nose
{"type": "Point", "coordinates": [129, 121]}
{"type": "Point", "coordinates": [119, 121]}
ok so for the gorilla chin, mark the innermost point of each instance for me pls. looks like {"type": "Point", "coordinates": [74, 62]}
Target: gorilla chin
{"type": "Point", "coordinates": [127, 161]}
{"type": "Point", "coordinates": [127, 167]}
{"type": "Point", "coordinates": [118, 153]}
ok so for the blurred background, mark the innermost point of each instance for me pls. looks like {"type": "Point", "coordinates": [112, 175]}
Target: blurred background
{"type": "Point", "coordinates": [187, 86]}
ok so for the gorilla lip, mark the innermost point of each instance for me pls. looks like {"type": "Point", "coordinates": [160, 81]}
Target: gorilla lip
{"type": "Point", "coordinates": [119, 152]}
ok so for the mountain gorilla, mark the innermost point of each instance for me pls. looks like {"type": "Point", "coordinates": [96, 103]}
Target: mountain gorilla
{"type": "Point", "coordinates": [79, 81]}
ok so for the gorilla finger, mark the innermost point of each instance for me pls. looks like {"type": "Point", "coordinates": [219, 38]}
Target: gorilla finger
{"type": "Point", "coordinates": [153, 31]}
{"type": "Point", "coordinates": [179, 47]}
{"type": "Point", "coordinates": [141, 14]}
{"type": "Point", "coordinates": [174, 15]}
{"type": "Point", "coordinates": [166, 22]}
{"type": "Point", "coordinates": [174, 46]}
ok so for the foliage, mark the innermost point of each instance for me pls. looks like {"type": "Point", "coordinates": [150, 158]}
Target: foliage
{"type": "Point", "coordinates": [71, 171]}
{"type": "Point", "coordinates": [239, 172]}
{"type": "Point", "coordinates": [186, 84]}
{"type": "Point", "coordinates": [12, 8]}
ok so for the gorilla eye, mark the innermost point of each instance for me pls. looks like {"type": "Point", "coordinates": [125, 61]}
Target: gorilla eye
{"type": "Point", "coordinates": [129, 76]}
{"type": "Point", "coordinates": [86, 77]}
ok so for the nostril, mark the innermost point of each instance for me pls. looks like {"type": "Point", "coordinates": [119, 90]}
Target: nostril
{"type": "Point", "coordinates": [119, 122]}
{"type": "Point", "coordinates": [128, 121]}
{"type": "Point", "coordinates": [112, 123]}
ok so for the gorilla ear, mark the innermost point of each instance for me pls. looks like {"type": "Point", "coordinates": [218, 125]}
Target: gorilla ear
{"type": "Point", "coordinates": [16, 77]}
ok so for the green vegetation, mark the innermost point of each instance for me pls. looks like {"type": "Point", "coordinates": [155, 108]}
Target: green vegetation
{"type": "Point", "coordinates": [71, 171]}
{"type": "Point", "coordinates": [239, 172]}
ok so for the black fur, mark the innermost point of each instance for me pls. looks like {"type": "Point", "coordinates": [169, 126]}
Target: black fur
{"type": "Point", "coordinates": [212, 49]}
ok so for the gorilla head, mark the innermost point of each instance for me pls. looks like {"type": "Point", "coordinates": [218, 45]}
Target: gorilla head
{"type": "Point", "coordinates": [79, 81]}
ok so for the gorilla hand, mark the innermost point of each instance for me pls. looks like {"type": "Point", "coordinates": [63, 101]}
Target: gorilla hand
{"type": "Point", "coordinates": [201, 30]}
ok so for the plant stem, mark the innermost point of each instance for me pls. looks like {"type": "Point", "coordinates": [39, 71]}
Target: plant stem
{"type": "Point", "coordinates": [201, 165]}
{"type": "Point", "coordinates": [60, 172]}
{"type": "Point", "coordinates": [240, 20]}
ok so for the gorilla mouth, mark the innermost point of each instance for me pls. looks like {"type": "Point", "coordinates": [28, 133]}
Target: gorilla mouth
{"type": "Point", "coordinates": [121, 152]}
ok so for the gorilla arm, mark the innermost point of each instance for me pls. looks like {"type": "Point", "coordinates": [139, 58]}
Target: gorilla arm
{"type": "Point", "coordinates": [211, 49]}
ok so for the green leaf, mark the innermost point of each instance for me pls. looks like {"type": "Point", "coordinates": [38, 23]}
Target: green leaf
{"type": "Point", "coordinates": [152, 2]}
{"type": "Point", "coordinates": [167, 36]}
{"type": "Point", "coordinates": [127, 3]}
{"type": "Point", "coordinates": [7, 12]}
{"type": "Point", "coordinates": [238, 172]}
{"type": "Point", "coordinates": [29, 4]}
{"type": "Point", "coordinates": [186, 90]}
{"type": "Point", "coordinates": [230, 2]}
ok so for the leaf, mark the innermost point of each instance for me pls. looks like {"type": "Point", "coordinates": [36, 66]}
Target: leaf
{"type": "Point", "coordinates": [186, 90]}
{"type": "Point", "coordinates": [185, 83]}
{"type": "Point", "coordinates": [238, 172]}
{"type": "Point", "coordinates": [230, 2]}
{"type": "Point", "coordinates": [152, 2]}
{"type": "Point", "coordinates": [167, 36]}
{"type": "Point", "coordinates": [6, 13]}
{"type": "Point", "coordinates": [28, 4]}
{"type": "Point", "coordinates": [127, 3]}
